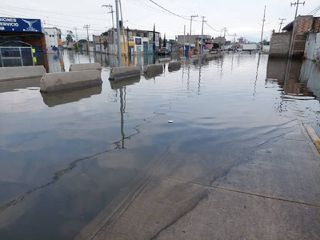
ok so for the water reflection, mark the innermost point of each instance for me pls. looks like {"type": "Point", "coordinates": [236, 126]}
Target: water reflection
{"type": "Point", "coordinates": [13, 85]}
{"type": "Point", "coordinates": [58, 98]}
{"type": "Point", "coordinates": [124, 82]}
{"type": "Point", "coordinates": [296, 78]}
{"type": "Point", "coordinates": [60, 167]}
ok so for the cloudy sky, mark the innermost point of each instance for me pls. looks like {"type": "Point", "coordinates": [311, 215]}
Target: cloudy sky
{"type": "Point", "coordinates": [243, 18]}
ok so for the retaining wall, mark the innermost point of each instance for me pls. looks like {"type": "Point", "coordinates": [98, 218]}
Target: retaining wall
{"type": "Point", "coordinates": [84, 67]}
{"type": "Point", "coordinates": [52, 82]}
{"type": "Point", "coordinates": [280, 44]}
{"type": "Point", "coordinates": [15, 73]}
{"type": "Point", "coordinates": [118, 73]}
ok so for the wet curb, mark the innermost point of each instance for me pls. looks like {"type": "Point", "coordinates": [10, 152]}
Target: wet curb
{"type": "Point", "coordinates": [313, 135]}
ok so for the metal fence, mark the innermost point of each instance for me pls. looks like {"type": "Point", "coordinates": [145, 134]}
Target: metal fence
{"type": "Point", "coordinates": [16, 56]}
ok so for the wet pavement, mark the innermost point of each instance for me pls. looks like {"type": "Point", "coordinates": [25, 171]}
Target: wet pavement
{"type": "Point", "coordinates": [104, 163]}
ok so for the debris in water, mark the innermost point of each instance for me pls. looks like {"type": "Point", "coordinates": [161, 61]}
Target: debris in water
{"type": "Point", "coordinates": [170, 121]}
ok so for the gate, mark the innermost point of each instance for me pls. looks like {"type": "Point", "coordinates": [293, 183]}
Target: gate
{"type": "Point", "coordinates": [16, 56]}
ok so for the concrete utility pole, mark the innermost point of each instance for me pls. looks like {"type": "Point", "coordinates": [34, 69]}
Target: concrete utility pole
{"type": "Point", "coordinates": [263, 22]}
{"type": "Point", "coordinates": [296, 4]}
{"type": "Point", "coordinates": [184, 39]}
{"type": "Point", "coordinates": [224, 31]}
{"type": "Point", "coordinates": [201, 49]}
{"type": "Point", "coordinates": [281, 23]}
{"type": "Point", "coordinates": [118, 34]}
{"type": "Point", "coordinates": [76, 31]}
{"type": "Point", "coordinates": [111, 11]}
{"type": "Point", "coordinates": [87, 27]}
{"type": "Point", "coordinates": [191, 19]}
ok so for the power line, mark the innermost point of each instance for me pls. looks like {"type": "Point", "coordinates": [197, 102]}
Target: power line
{"type": "Point", "coordinates": [169, 11]}
{"type": "Point", "coordinates": [212, 28]}
{"type": "Point", "coordinates": [281, 23]}
{"type": "Point", "coordinates": [314, 11]}
{"type": "Point", "coordinates": [50, 12]}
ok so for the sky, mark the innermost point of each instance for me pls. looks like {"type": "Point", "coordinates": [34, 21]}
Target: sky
{"type": "Point", "coordinates": [243, 18]}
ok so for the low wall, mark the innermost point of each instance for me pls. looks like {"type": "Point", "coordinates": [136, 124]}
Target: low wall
{"type": "Point", "coordinates": [52, 82]}
{"type": "Point", "coordinates": [15, 73]}
{"type": "Point", "coordinates": [58, 98]}
{"type": "Point", "coordinates": [84, 67]}
{"type": "Point", "coordinates": [118, 73]}
{"type": "Point", "coordinates": [312, 51]}
{"type": "Point", "coordinates": [153, 70]}
{"type": "Point", "coordinates": [280, 44]}
{"type": "Point", "coordinates": [173, 66]}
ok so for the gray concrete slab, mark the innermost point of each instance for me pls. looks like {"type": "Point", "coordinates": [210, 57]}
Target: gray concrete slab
{"type": "Point", "coordinates": [269, 192]}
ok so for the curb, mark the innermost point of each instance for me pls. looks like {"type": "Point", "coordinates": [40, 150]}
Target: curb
{"type": "Point", "coordinates": [313, 135]}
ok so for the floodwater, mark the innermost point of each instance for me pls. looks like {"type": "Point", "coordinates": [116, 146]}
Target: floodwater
{"type": "Point", "coordinates": [66, 157]}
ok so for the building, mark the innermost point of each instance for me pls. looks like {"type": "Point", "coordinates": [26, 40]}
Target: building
{"type": "Point", "coordinates": [22, 42]}
{"type": "Point", "coordinates": [193, 40]}
{"type": "Point", "coordinates": [299, 31]}
{"type": "Point", "coordinates": [53, 39]}
{"type": "Point", "coordinates": [133, 41]}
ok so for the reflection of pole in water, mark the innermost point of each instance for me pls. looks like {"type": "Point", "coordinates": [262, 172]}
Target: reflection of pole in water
{"type": "Point", "coordinates": [232, 62]}
{"type": "Point", "coordinates": [257, 75]}
{"type": "Point", "coordinates": [199, 80]}
{"type": "Point", "coordinates": [188, 81]}
{"type": "Point", "coordinates": [122, 111]}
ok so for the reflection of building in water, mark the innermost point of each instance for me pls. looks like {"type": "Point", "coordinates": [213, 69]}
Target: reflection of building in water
{"type": "Point", "coordinates": [115, 85]}
{"type": "Point", "coordinates": [310, 75]}
{"type": "Point", "coordinates": [59, 98]}
{"type": "Point", "coordinates": [55, 62]}
{"type": "Point", "coordinates": [12, 85]}
{"type": "Point", "coordinates": [295, 77]}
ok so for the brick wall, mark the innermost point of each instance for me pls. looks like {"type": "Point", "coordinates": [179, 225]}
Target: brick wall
{"type": "Point", "coordinates": [280, 44]}
{"type": "Point", "coordinates": [304, 24]}
{"type": "Point", "coordinates": [316, 25]}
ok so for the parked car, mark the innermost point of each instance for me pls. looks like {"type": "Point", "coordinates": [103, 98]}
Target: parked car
{"type": "Point", "coordinates": [164, 51]}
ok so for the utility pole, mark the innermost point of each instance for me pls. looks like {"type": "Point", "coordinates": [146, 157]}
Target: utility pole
{"type": "Point", "coordinates": [76, 31]}
{"type": "Point", "coordinates": [111, 11]}
{"type": "Point", "coordinates": [281, 23]}
{"type": "Point", "coordinates": [224, 31]}
{"type": "Point", "coordinates": [118, 33]}
{"type": "Point", "coordinates": [296, 4]}
{"type": "Point", "coordinates": [184, 39]}
{"type": "Point", "coordinates": [263, 22]}
{"type": "Point", "coordinates": [87, 27]}
{"type": "Point", "coordinates": [201, 49]}
{"type": "Point", "coordinates": [191, 18]}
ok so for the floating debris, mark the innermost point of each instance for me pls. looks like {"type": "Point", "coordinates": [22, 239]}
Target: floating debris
{"type": "Point", "coordinates": [299, 97]}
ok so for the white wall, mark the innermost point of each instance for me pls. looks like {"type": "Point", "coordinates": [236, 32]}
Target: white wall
{"type": "Point", "coordinates": [51, 35]}
{"type": "Point", "coordinates": [312, 51]}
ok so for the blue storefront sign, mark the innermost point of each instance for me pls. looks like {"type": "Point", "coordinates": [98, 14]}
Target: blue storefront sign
{"type": "Point", "coordinates": [20, 25]}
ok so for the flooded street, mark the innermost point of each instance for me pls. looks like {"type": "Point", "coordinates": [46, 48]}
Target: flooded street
{"type": "Point", "coordinates": [164, 157]}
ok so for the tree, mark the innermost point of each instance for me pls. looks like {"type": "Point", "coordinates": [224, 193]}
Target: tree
{"type": "Point", "coordinates": [69, 37]}
{"type": "Point", "coordinates": [164, 41]}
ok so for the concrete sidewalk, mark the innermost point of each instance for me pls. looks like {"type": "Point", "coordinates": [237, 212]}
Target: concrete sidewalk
{"type": "Point", "coordinates": [272, 192]}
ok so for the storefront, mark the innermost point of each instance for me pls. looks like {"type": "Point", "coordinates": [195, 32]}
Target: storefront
{"type": "Point", "coordinates": [22, 42]}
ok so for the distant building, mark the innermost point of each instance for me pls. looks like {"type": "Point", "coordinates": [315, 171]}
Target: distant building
{"type": "Point", "coordinates": [298, 30]}
{"type": "Point", "coordinates": [219, 40]}
{"type": "Point", "coordinates": [53, 39]}
{"type": "Point", "coordinates": [22, 42]}
{"type": "Point", "coordinates": [193, 40]}
{"type": "Point", "coordinates": [133, 41]}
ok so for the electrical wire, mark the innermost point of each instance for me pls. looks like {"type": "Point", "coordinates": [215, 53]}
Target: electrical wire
{"type": "Point", "coordinates": [314, 11]}
{"type": "Point", "coordinates": [169, 11]}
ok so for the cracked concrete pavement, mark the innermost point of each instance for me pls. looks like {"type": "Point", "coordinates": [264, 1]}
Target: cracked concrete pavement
{"type": "Point", "coordinates": [271, 192]}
